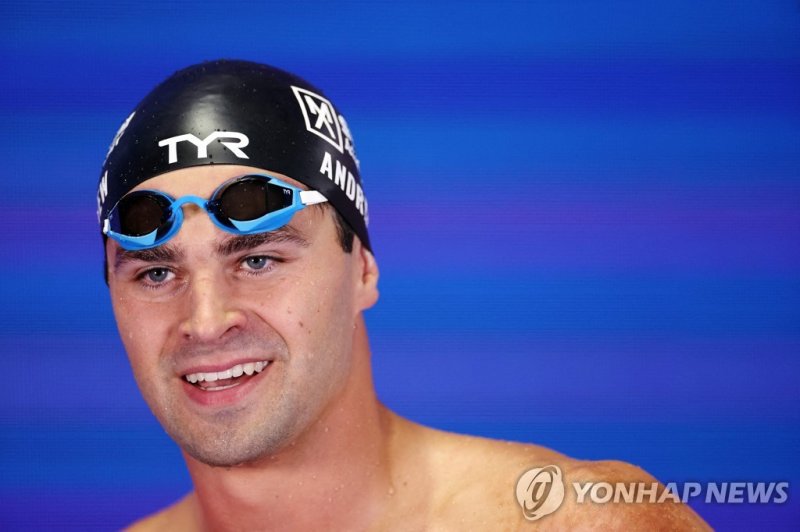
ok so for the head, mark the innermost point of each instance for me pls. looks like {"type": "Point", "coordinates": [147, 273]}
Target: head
{"type": "Point", "coordinates": [239, 340]}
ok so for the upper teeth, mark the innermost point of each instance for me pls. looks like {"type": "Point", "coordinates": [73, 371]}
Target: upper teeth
{"type": "Point", "coordinates": [236, 371]}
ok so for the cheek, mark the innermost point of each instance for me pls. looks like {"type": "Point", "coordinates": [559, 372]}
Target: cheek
{"type": "Point", "coordinates": [312, 310]}
{"type": "Point", "coordinates": [328, 330]}
{"type": "Point", "coordinates": [141, 329]}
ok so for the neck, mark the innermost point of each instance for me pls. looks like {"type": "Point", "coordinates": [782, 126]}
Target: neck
{"type": "Point", "coordinates": [337, 475]}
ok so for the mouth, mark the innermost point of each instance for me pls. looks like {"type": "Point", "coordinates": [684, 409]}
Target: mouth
{"type": "Point", "coordinates": [217, 381]}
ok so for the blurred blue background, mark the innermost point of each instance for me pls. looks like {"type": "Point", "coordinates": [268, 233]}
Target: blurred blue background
{"type": "Point", "coordinates": [586, 214]}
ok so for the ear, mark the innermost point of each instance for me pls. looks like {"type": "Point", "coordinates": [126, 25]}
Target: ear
{"type": "Point", "coordinates": [367, 271]}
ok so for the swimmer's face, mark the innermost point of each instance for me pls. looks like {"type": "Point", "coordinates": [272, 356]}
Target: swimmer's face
{"type": "Point", "coordinates": [213, 307]}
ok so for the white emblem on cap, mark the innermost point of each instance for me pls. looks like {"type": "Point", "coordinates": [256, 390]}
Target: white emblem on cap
{"type": "Point", "coordinates": [202, 145]}
{"type": "Point", "coordinates": [320, 117]}
{"type": "Point", "coordinates": [120, 131]}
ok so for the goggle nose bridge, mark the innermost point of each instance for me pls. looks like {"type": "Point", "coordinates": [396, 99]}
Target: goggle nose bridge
{"type": "Point", "coordinates": [196, 200]}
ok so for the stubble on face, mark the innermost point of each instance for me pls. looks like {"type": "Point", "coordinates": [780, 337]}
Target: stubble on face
{"type": "Point", "coordinates": [296, 389]}
{"type": "Point", "coordinates": [229, 435]}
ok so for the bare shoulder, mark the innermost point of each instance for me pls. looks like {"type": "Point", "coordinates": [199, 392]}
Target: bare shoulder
{"type": "Point", "coordinates": [615, 495]}
{"type": "Point", "coordinates": [178, 516]}
{"type": "Point", "coordinates": [477, 477]}
{"type": "Point", "coordinates": [488, 484]}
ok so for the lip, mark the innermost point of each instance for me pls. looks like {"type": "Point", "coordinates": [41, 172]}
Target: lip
{"type": "Point", "coordinates": [225, 397]}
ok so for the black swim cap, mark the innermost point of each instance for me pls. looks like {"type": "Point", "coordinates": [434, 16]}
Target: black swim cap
{"type": "Point", "coordinates": [238, 112]}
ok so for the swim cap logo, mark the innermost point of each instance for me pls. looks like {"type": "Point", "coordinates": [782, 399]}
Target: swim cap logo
{"type": "Point", "coordinates": [540, 491]}
{"type": "Point", "coordinates": [320, 117]}
{"type": "Point", "coordinates": [202, 145]}
{"type": "Point", "coordinates": [102, 193]}
{"type": "Point", "coordinates": [120, 131]}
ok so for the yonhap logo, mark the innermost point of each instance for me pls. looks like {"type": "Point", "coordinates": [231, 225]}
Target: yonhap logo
{"type": "Point", "coordinates": [540, 491]}
{"type": "Point", "coordinates": [319, 116]}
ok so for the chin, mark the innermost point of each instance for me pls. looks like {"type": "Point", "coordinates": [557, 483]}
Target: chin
{"type": "Point", "coordinates": [223, 446]}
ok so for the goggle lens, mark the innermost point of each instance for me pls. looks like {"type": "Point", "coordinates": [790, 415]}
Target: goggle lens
{"type": "Point", "coordinates": [250, 198]}
{"type": "Point", "coordinates": [140, 213]}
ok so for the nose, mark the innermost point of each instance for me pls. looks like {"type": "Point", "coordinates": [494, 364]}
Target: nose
{"type": "Point", "coordinates": [213, 313]}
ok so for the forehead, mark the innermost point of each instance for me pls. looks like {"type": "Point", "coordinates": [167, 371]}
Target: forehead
{"type": "Point", "coordinates": [203, 180]}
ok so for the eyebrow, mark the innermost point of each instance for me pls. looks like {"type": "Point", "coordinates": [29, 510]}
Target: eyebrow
{"type": "Point", "coordinates": [164, 253]}
{"type": "Point", "coordinates": [239, 243]}
{"type": "Point", "coordinates": [229, 246]}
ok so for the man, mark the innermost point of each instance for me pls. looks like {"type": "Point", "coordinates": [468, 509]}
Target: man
{"type": "Point", "coordinates": [239, 265]}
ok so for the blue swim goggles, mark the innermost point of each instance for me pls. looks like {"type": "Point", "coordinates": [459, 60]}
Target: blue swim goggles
{"type": "Point", "coordinates": [253, 203]}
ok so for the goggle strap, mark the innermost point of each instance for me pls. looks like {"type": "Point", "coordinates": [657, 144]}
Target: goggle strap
{"type": "Point", "coordinates": [311, 197]}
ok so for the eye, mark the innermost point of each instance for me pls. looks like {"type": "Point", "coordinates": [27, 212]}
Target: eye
{"type": "Point", "coordinates": [156, 275]}
{"type": "Point", "coordinates": [257, 262]}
